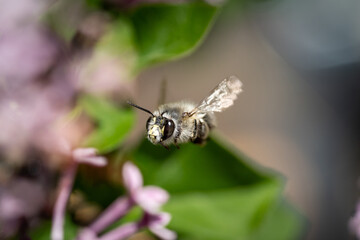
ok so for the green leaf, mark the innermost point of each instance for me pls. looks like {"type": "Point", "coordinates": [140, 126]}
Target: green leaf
{"type": "Point", "coordinates": [282, 222]}
{"type": "Point", "coordinates": [44, 230]}
{"type": "Point", "coordinates": [114, 124]}
{"type": "Point", "coordinates": [119, 38]}
{"type": "Point", "coordinates": [216, 193]}
{"type": "Point", "coordinates": [195, 168]}
{"type": "Point", "coordinates": [169, 31]}
{"type": "Point", "coordinates": [224, 214]}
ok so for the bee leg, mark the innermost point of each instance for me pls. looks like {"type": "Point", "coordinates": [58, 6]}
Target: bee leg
{"type": "Point", "coordinates": [176, 145]}
{"type": "Point", "coordinates": [166, 147]}
{"type": "Point", "coordinates": [185, 115]}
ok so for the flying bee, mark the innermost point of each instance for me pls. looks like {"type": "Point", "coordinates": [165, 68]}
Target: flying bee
{"type": "Point", "coordinates": [181, 122]}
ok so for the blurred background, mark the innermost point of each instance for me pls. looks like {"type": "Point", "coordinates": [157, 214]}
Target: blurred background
{"type": "Point", "coordinates": [299, 111]}
{"type": "Point", "coordinates": [299, 61]}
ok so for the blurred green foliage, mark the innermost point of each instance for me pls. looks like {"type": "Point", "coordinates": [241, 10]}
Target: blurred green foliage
{"type": "Point", "coordinates": [281, 222]}
{"type": "Point", "coordinates": [113, 124]}
{"type": "Point", "coordinates": [164, 32]}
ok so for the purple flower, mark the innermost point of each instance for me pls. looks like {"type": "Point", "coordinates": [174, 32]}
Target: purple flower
{"type": "Point", "coordinates": [21, 12]}
{"type": "Point", "coordinates": [88, 156]}
{"type": "Point", "coordinates": [27, 119]}
{"type": "Point", "coordinates": [80, 155]}
{"type": "Point", "coordinates": [156, 224]}
{"type": "Point", "coordinates": [25, 54]}
{"type": "Point", "coordinates": [20, 199]}
{"type": "Point", "coordinates": [149, 198]}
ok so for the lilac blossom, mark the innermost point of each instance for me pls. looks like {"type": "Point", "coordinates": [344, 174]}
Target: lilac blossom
{"type": "Point", "coordinates": [121, 232]}
{"type": "Point", "coordinates": [156, 224]}
{"type": "Point", "coordinates": [20, 199]}
{"type": "Point", "coordinates": [31, 48]}
{"type": "Point", "coordinates": [88, 156]}
{"type": "Point", "coordinates": [33, 97]}
{"type": "Point", "coordinates": [14, 14]}
{"type": "Point", "coordinates": [149, 198]}
{"type": "Point", "coordinates": [80, 155]}
{"type": "Point", "coordinates": [31, 100]}
{"type": "Point", "coordinates": [106, 74]}
{"type": "Point", "coordinates": [27, 119]}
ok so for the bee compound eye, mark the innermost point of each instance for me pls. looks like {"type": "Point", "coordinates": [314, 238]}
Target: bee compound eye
{"type": "Point", "coordinates": [169, 128]}
{"type": "Point", "coordinates": [148, 122]}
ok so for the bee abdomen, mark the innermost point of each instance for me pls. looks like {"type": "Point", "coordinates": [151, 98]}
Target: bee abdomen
{"type": "Point", "coordinates": [202, 128]}
{"type": "Point", "coordinates": [201, 132]}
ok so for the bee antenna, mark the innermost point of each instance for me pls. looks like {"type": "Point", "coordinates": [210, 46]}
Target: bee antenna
{"type": "Point", "coordinates": [143, 109]}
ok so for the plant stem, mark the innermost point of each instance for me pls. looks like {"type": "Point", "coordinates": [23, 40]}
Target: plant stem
{"type": "Point", "coordinates": [121, 232]}
{"type": "Point", "coordinates": [116, 210]}
{"type": "Point", "coordinates": [66, 183]}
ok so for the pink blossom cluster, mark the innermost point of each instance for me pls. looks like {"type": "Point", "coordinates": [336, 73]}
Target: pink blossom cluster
{"type": "Point", "coordinates": [148, 198]}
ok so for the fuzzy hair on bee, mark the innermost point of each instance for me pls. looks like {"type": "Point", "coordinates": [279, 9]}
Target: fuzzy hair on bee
{"type": "Point", "coordinates": [181, 122]}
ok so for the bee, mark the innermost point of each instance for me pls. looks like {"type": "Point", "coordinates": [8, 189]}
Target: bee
{"type": "Point", "coordinates": [181, 122]}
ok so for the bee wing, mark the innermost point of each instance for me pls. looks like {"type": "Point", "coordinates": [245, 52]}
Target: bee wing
{"type": "Point", "coordinates": [221, 97]}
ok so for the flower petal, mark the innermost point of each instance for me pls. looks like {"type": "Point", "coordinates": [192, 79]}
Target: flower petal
{"type": "Point", "coordinates": [156, 224]}
{"type": "Point", "coordinates": [160, 219]}
{"type": "Point", "coordinates": [11, 207]}
{"type": "Point", "coordinates": [80, 153]}
{"type": "Point", "coordinates": [88, 156]}
{"type": "Point", "coordinates": [95, 161]}
{"type": "Point", "coordinates": [132, 177]}
{"type": "Point", "coordinates": [163, 233]}
{"type": "Point", "coordinates": [87, 234]}
{"type": "Point", "coordinates": [151, 198]}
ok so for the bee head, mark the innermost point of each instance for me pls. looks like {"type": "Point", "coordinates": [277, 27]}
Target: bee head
{"type": "Point", "coordinates": [159, 129]}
